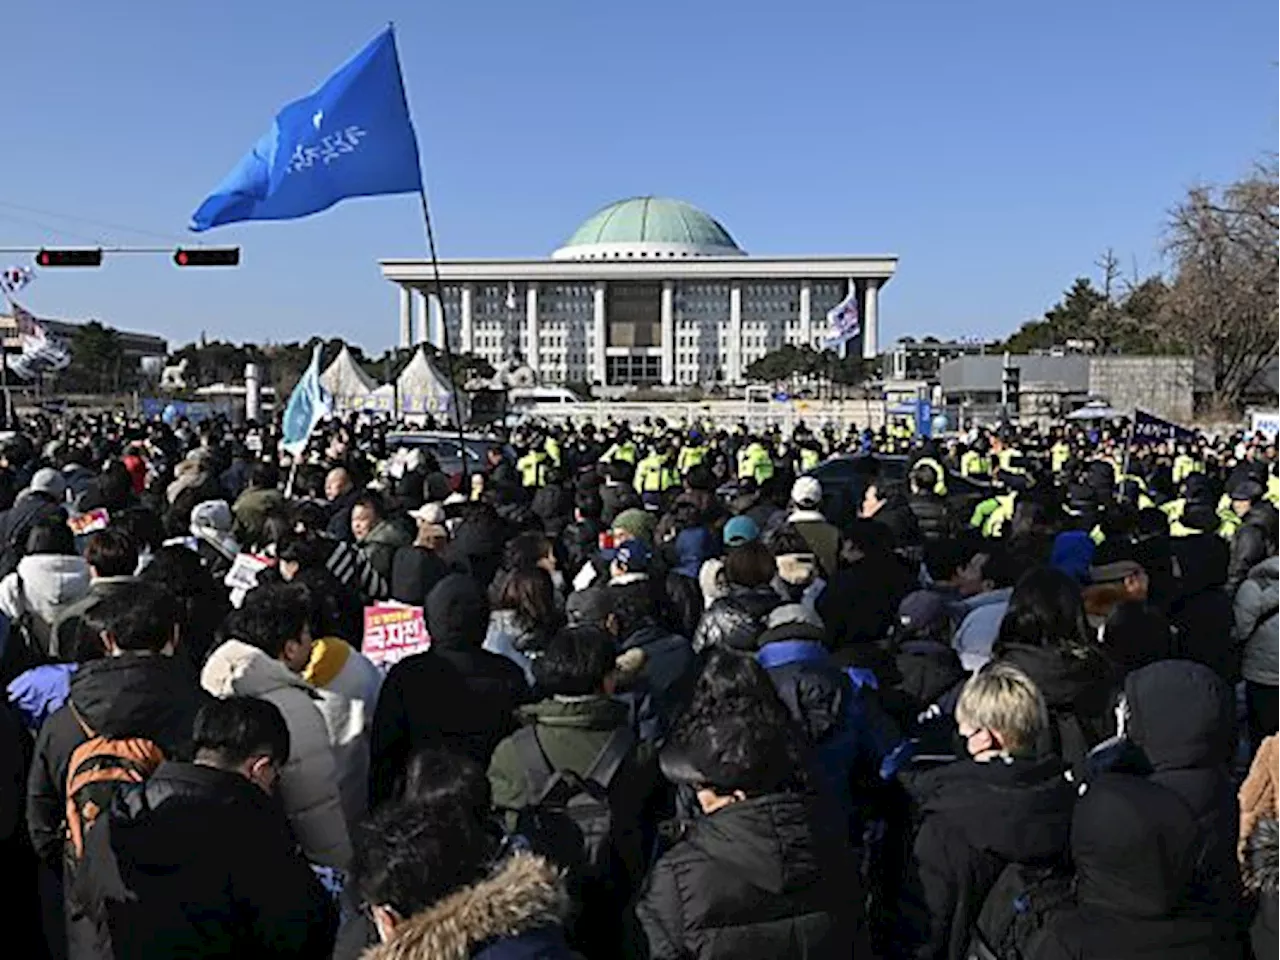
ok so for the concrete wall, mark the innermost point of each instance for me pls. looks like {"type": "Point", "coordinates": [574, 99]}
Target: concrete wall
{"type": "Point", "coordinates": [1160, 385]}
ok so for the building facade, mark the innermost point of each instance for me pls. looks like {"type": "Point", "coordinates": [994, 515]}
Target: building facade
{"type": "Point", "coordinates": [646, 292]}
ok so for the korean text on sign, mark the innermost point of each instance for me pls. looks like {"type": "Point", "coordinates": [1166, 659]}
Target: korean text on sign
{"type": "Point", "coordinates": [393, 632]}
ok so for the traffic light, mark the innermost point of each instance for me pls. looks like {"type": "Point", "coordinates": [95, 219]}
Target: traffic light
{"type": "Point", "coordinates": [206, 256]}
{"type": "Point", "coordinates": [70, 257]}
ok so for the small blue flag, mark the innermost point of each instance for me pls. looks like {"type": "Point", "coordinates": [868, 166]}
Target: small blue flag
{"type": "Point", "coordinates": [350, 138]}
{"type": "Point", "coordinates": [308, 405]}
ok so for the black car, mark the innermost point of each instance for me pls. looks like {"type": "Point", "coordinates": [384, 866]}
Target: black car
{"type": "Point", "coordinates": [845, 479]}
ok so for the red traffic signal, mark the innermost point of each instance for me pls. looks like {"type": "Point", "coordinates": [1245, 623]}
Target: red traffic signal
{"type": "Point", "coordinates": [206, 256]}
{"type": "Point", "coordinates": [70, 257]}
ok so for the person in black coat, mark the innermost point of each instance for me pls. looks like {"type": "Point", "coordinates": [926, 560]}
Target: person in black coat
{"type": "Point", "coordinates": [553, 503]}
{"type": "Point", "coordinates": [197, 861]}
{"type": "Point", "coordinates": [1201, 610]}
{"type": "Point", "coordinates": [1133, 844]}
{"type": "Point", "coordinates": [925, 666]}
{"type": "Point", "coordinates": [1182, 717]}
{"type": "Point", "coordinates": [44, 498]}
{"type": "Point", "coordinates": [456, 696]}
{"type": "Point", "coordinates": [932, 516]}
{"type": "Point", "coordinates": [138, 690]}
{"type": "Point", "coordinates": [1255, 540]}
{"type": "Point", "coordinates": [659, 690]}
{"type": "Point", "coordinates": [764, 872]}
{"type": "Point", "coordinates": [419, 566]}
{"type": "Point", "coordinates": [1005, 801]}
{"type": "Point", "coordinates": [479, 540]}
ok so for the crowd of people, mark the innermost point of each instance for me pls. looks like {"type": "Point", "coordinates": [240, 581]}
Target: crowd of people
{"type": "Point", "coordinates": [680, 701]}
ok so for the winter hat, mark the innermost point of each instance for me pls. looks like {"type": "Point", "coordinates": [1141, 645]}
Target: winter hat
{"type": "Point", "coordinates": [212, 515]}
{"type": "Point", "coordinates": [740, 530]}
{"type": "Point", "coordinates": [635, 523]}
{"type": "Point", "coordinates": [50, 482]}
{"type": "Point", "coordinates": [1072, 554]}
{"type": "Point", "coordinates": [1249, 490]}
{"type": "Point", "coordinates": [432, 513]}
{"type": "Point", "coordinates": [588, 607]}
{"type": "Point", "coordinates": [693, 547]}
{"type": "Point", "coordinates": [806, 492]}
{"type": "Point", "coordinates": [922, 613]}
{"type": "Point", "coordinates": [633, 556]}
{"type": "Point", "coordinates": [457, 612]}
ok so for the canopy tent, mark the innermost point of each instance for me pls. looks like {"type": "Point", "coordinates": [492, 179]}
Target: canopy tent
{"type": "Point", "coordinates": [1095, 410]}
{"type": "Point", "coordinates": [424, 390]}
{"type": "Point", "coordinates": [349, 385]}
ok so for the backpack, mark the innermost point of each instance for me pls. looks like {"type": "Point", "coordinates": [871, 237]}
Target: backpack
{"type": "Point", "coordinates": [98, 767]}
{"type": "Point", "coordinates": [571, 821]}
{"type": "Point", "coordinates": [1015, 916]}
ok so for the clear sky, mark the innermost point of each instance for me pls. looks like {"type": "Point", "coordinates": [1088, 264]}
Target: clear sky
{"type": "Point", "coordinates": [996, 146]}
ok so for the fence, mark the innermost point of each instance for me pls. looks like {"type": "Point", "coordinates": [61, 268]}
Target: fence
{"type": "Point", "coordinates": [724, 413]}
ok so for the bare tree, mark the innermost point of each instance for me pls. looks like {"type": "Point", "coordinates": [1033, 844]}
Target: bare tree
{"type": "Point", "coordinates": [1222, 303]}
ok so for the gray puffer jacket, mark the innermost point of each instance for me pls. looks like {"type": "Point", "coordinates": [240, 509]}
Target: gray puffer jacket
{"type": "Point", "coordinates": [1257, 612]}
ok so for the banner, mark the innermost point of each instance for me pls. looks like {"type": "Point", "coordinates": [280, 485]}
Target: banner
{"type": "Point", "coordinates": [392, 632]}
{"type": "Point", "coordinates": [1267, 424]}
{"type": "Point", "coordinates": [1148, 428]}
{"type": "Point", "coordinates": [92, 521]}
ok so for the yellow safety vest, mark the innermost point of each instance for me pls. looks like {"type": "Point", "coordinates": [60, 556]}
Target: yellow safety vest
{"type": "Point", "coordinates": [1185, 465]}
{"type": "Point", "coordinates": [620, 451]}
{"type": "Point", "coordinates": [1059, 455]}
{"type": "Point", "coordinates": [754, 463]}
{"type": "Point", "coordinates": [809, 459]}
{"type": "Point", "coordinates": [1273, 490]}
{"type": "Point", "coordinates": [533, 468]}
{"type": "Point", "coordinates": [654, 476]}
{"type": "Point", "coordinates": [939, 488]}
{"type": "Point", "coordinates": [994, 524]}
{"type": "Point", "coordinates": [690, 457]}
{"type": "Point", "coordinates": [974, 464]}
{"type": "Point", "coordinates": [552, 450]}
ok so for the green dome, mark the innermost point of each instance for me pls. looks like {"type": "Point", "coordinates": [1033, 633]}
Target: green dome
{"type": "Point", "coordinates": [648, 227]}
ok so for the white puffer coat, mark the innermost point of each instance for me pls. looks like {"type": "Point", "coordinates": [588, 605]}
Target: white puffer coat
{"type": "Point", "coordinates": [309, 781]}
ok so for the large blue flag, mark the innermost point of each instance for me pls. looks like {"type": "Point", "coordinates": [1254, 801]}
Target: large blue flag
{"type": "Point", "coordinates": [308, 405]}
{"type": "Point", "coordinates": [350, 138]}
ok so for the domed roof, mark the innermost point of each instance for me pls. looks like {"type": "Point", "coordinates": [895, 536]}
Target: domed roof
{"type": "Point", "coordinates": [648, 227]}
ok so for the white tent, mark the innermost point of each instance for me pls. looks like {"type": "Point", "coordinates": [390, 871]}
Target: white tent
{"type": "Point", "coordinates": [423, 389]}
{"type": "Point", "coordinates": [348, 384]}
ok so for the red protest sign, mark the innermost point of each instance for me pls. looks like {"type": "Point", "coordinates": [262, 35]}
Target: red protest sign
{"type": "Point", "coordinates": [393, 632]}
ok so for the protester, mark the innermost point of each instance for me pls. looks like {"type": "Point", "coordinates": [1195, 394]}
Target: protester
{"type": "Point", "coordinates": [419, 566]}
{"type": "Point", "coordinates": [1257, 618]}
{"type": "Point", "coordinates": [49, 579]}
{"type": "Point", "coordinates": [112, 558]}
{"type": "Point", "coordinates": [737, 619]}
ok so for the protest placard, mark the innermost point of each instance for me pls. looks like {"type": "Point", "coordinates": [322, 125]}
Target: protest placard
{"type": "Point", "coordinates": [392, 632]}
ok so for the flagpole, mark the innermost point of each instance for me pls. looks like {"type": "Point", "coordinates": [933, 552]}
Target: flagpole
{"type": "Point", "coordinates": [444, 329]}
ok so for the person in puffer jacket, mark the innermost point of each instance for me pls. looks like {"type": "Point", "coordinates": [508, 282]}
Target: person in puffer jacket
{"type": "Point", "coordinates": [837, 710]}
{"type": "Point", "coordinates": [49, 579]}
{"type": "Point", "coordinates": [1257, 616]}
{"type": "Point", "coordinates": [268, 664]}
{"type": "Point", "coordinates": [737, 619]}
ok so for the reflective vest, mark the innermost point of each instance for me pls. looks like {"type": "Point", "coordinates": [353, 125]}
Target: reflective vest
{"type": "Point", "coordinates": [654, 475]}
{"type": "Point", "coordinates": [1144, 501]}
{"type": "Point", "coordinates": [690, 457]}
{"type": "Point", "coordinates": [1184, 465]}
{"type": "Point", "coordinates": [533, 468]}
{"type": "Point", "coordinates": [972, 464]}
{"type": "Point", "coordinates": [1059, 455]}
{"type": "Point", "coordinates": [809, 458]}
{"type": "Point", "coordinates": [993, 525]}
{"type": "Point", "coordinates": [552, 450]}
{"type": "Point", "coordinates": [1273, 490]}
{"type": "Point", "coordinates": [620, 451]}
{"type": "Point", "coordinates": [1006, 456]}
{"type": "Point", "coordinates": [754, 463]}
{"type": "Point", "coordinates": [1174, 509]}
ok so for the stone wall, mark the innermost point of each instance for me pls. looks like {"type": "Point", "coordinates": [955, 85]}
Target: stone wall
{"type": "Point", "coordinates": [1164, 386]}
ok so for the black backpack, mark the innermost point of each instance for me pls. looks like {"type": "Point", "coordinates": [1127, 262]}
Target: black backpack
{"type": "Point", "coordinates": [571, 820]}
{"type": "Point", "coordinates": [1016, 914]}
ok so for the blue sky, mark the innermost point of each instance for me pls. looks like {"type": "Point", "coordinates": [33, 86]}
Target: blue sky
{"type": "Point", "coordinates": [997, 147]}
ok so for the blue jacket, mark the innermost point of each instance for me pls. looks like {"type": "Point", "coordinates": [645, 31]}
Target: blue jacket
{"type": "Point", "coordinates": [41, 691]}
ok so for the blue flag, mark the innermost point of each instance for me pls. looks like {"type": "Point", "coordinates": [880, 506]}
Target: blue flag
{"type": "Point", "coordinates": [350, 138]}
{"type": "Point", "coordinates": [308, 405]}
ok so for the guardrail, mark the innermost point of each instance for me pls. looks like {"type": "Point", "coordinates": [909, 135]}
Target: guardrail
{"type": "Point", "coordinates": [727, 413]}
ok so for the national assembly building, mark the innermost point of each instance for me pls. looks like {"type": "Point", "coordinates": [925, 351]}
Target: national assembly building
{"type": "Point", "coordinates": [646, 292]}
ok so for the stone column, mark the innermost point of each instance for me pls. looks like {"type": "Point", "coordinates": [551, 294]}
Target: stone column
{"type": "Point", "coordinates": [426, 317]}
{"type": "Point", "coordinates": [531, 328]}
{"type": "Point", "coordinates": [870, 321]}
{"type": "Point", "coordinates": [806, 313]}
{"type": "Point", "coordinates": [668, 332]}
{"type": "Point", "coordinates": [734, 366]}
{"type": "Point", "coordinates": [466, 323]}
{"type": "Point", "coordinates": [406, 317]}
{"type": "Point", "coordinates": [599, 369]}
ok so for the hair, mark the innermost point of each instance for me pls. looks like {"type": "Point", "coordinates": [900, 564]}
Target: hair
{"type": "Point", "coordinates": [265, 475]}
{"type": "Point", "coordinates": [115, 485]}
{"type": "Point", "coordinates": [1135, 635]}
{"type": "Point", "coordinates": [143, 525]}
{"type": "Point", "coordinates": [785, 539]}
{"type": "Point", "coordinates": [1002, 698]}
{"type": "Point", "coordinates": [308, 551]}
{"type": "Point", "coordinates": [531, 594]}
{"type": "Point", "coordinates": [942, 558]}
{"type": "Point", "coordinates": [620, 471]}
{"type": "Point", "coordinates": [272, 615]}
{"type": "Point", "coordinates": [632, 606]}
{"type": "Point", "coordinates": [442, 779]}
{"type": "Point", "coordinates": [575, 662]}
{"type": "Point", "coordinates": [589, 503]}
{"type": "Point", "coordinates": [231, 730]}
{"type": "Point", "coordinates": [139, 616]}
{"type": "Point", "coordinates": [409, 855]}
{"type": "Point", "coordinates": [749, 565]}
{"type": "Point", "coordinates": [523, 552]}
{"type": "Point", "coordinates": [308, 516]}
{"type": "Point", "coordinates": [372, 501]}
{"type": "Point", "coordinates": [700, 477]}
{"type": "Point", "coordinates": [924, 478]}
{"type": "Point", "coordinates": [1001, 568]}
{"type": "Point", "coordinates": [112, 553]}
{"type": "Point", "coordinates": [51, 535]}
{"type": "Point", "coordinates": [1045, 610]}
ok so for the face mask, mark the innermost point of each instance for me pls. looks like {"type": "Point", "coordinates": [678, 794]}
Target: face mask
{"type": "Point", "coordinates": [557, 580]}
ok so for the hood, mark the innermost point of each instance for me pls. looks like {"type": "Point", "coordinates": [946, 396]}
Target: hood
{"type": "Point", "coordinates": [1081, 682]}
{"type": "Point", "coordinates": [1018, 809]}
{"type": "Point", "coordinates": [457, 612]}
{"type": "Point", "coordinates": [693, 547]}
{"type": "Point", "coordinates": [1267, 573]}
{"type": "Point", "coordinates": [51, 580]}
{"type": "Point", "coordinates": [1263, 515]}
{"type": "Point", "coordinates": [238, 669]}
{"type": "Point", "coordinates": [987, 599]}
{"type": "Point", "coordinates": [522, 894]}
{"type": "Point", "coordinates": [1134, 845]}
{"type": "Point", "coordinates": [388, 533]}
{"type": "Point", "coordinates": [768, 842]}
{"type": "Point", "coordinates": [1181, 714]}
{"type": "Point", "coordinates": [134, 694]}
{"type": "Point", "coordinates": [578, 713]}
